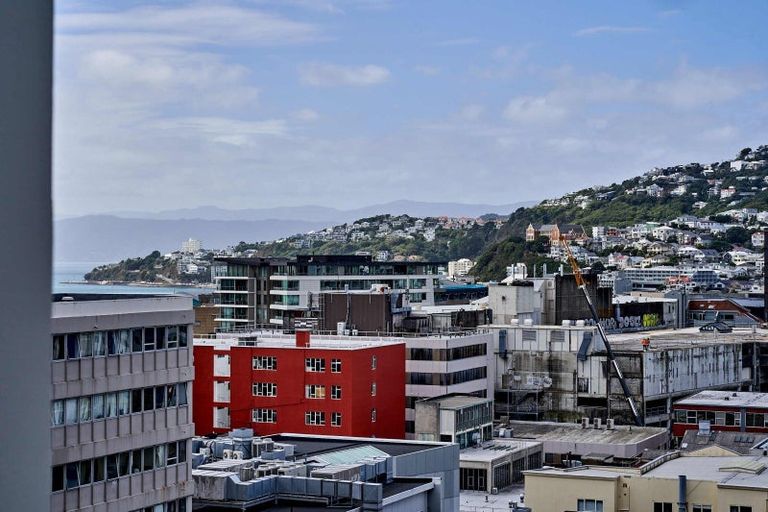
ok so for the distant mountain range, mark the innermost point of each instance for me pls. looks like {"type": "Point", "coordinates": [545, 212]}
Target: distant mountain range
{"type": "Point", "coordinates": [329, 215]}
{"type": "Point", "coordinates": [129, 234]}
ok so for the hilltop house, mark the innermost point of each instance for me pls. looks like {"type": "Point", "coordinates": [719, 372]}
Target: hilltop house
{"type": "Point", "coordinates": [554, 232]}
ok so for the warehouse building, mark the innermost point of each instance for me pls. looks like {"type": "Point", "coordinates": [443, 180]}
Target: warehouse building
{"type": "Point", "coordinates": [561, 373]}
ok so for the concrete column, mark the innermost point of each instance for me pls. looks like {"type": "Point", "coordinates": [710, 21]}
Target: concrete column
{"type": "Point", "coordinates": [26, 37]}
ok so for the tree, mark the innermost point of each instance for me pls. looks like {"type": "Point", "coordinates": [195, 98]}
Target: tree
{"type": "Point", "coordinates": [744, 152]}
{"type": "Point", "coordinates": [737, 235]}
{"type": "Point", "coordinates": [598, 267]}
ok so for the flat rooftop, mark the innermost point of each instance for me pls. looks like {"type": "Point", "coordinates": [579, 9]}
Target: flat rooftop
{"type": "Point", "coordinates": [456, 401]}
{"type": "Point", "coordinates": [288, 341]}
{"type": "Point", "coordinates": [574, 433]}
{"type": "Point", "coordinates": [666, 339]}
{"type": "Point", "coordinates": [495, 449]}
{"type": "Point", "coordinates": [68, 305]}
{"type": "Point", "coordinates": [726, 399]}
{"type": "Point", "coordinates": [307, 446]}
{"type": "Point", "coordinates": [741, 471]}
{"type": "Point", "coordinates": [81, 297]}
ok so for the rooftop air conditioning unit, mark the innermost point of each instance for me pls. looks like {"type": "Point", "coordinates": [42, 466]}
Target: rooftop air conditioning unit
{"type": "Point", "coordinates": [598, 422]}
{"type": "Point", "coordinates": [228, 454]}
{"type": "Point", "coordinates": [495, 490]}
{"type": "Point", "coordinates": [584, 422]}
{"type": "Point", "coordinates": [609, 424]}
{"type": "Point", "coordinates": [237, 454]}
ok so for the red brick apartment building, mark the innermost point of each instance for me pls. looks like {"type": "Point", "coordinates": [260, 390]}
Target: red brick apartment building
{"type": "Point", "coordinates": [276, 384]}
{"type": "Point", "coordinates": [736, 411]}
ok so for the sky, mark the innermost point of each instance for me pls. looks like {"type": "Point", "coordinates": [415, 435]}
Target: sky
{"type": "Point", "coordinates": [347, 103]}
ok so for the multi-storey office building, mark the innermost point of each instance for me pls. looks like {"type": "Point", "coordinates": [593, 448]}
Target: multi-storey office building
{"type": "Point", "coordinates": [435, 365]}
{"type": "Point", "coordinates": [121, 419]}
{"type": "Point", "coordinates": [263, 291]}
{"type": "Point", "coordinates": [274, 383]}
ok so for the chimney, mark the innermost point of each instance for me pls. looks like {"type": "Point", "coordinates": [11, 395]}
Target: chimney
{"type": "Point", "coordinates": [302, 338]}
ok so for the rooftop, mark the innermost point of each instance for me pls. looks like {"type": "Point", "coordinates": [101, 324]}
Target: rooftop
{"type": "Point", "coordinates": [312, 446]}
{"type": "Point", "coordinates": [737, 442]}
{"type": "Point", "coordinates": [492, 450]}
{"type": "Point", "coordinates": [456, 400]}
{"type": "Point", "coordinates": [726, 398]}
{"type": "Point", "coordinates": [288, 341]}
{"type": "Point", "coordinates": [574, 433]}
{"type": "Point", "coordinates": [682, 338]}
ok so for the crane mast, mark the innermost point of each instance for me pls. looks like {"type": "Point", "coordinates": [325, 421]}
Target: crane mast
{"type": "Point", "coordinates": [582, 285]}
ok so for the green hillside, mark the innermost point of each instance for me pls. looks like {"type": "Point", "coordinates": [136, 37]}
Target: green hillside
{"type": "Point", "coordinates": [624, 204]}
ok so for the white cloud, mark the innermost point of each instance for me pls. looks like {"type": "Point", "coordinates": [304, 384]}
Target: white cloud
{"type": "Point", "coordinates": [212, 23]}
{"type": "Point", "coordinates": [472, 112]}
{"type": "Point", "coordinates": [330, 75]}
{"type": "Point", "coordinates": [610, 29]}
{"type": "Point", "coordinates": [459, 41]}
{"type": "Point", "coordinates": [306, 114]}
{"type": "Point", "coordinates": [427, 70]}
{"type": "Point", "coordinates": [533, 109]}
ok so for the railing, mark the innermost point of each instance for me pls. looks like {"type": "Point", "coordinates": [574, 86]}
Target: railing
{"type": "Point", "coordinates": [271, 329]}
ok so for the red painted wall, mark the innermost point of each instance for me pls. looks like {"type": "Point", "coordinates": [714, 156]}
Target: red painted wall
{"type": "Point", "coordinates": [355, 380]}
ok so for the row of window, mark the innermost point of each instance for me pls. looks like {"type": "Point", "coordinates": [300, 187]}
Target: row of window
{"type": "Point", "coordinates": [71, 411]}
{"type": "Point", "coordinates": [447, 379]}
{"type": "Point", "coordinates": [179, 505]}
{"type": "Point", "coordinates": [316, 418]}
{"type": "Point", "coordinates": [446, 354]}
{"type": "Point", "coordinates": [719, 418]}
{"type": "Point", "coordinates": [312, 364]}
{"type": "Point", "coordinates": [109, 467]}
{"type": "Point", "coordinates": [311, 391]}
{"type": "Point", "coordinates": [118, 341]}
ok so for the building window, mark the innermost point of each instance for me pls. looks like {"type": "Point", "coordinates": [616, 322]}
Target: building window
{"type": "Point", "coordinates": [739, 508]}
{"type": "Point", "coordinates": [373, 415]}
{"type": "Point", "coordinates": [336, 421]}
{"type": "Point", "coordinates": [702, 508]}
{"type": "Point", "coordinates": [662, 507]}
{"type": "Point", "coordinates": [83, 472]}
{"type": "Point", "coordinates": [264, 416]}
{"type": "Point", "coordinates": [265, 363]}
{"type": "Point", "coordinates": [316, 391]}
{"type": "Point", "coordinates": [373, 362]}
{"type": "Point", "coordinates": [590, 506]}
{"type": "Point", "coordinates": [373, 389]}
{"type": "Point", "coordinates": [264, 389]}
{"type": "Point", "coordinates": [314, 418]}
{"type": "Point", "coordinates": [335, 392]}
{"type": "Point", "coordinates": [314, 364]}
{"type": "Point", "coordinates": [335, 365]}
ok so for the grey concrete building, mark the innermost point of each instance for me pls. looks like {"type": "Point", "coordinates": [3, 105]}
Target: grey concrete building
{"type": "Point", "coordinates": [456, 418]}
{"type": "Point", "coordinates": [121, 416]}
{"type": "Point", "coordinates": [310, 472]}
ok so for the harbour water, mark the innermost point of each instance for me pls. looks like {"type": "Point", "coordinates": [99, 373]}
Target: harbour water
{"type": "Point", "coordinates": [66, 275]}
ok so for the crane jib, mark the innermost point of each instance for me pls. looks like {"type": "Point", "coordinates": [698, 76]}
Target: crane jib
{"type": "Point", "coordinates": [593, 311]}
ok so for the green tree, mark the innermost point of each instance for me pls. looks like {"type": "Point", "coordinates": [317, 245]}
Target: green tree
{"type": "Point", "coordinates": [737, 235]}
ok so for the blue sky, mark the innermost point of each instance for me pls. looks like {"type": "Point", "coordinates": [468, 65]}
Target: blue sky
{"type": "Point", "coordinates": [167, 104]}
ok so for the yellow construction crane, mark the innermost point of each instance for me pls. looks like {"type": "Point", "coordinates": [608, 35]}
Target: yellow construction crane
{"type": "Point", "coordinates": [582, 285]}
